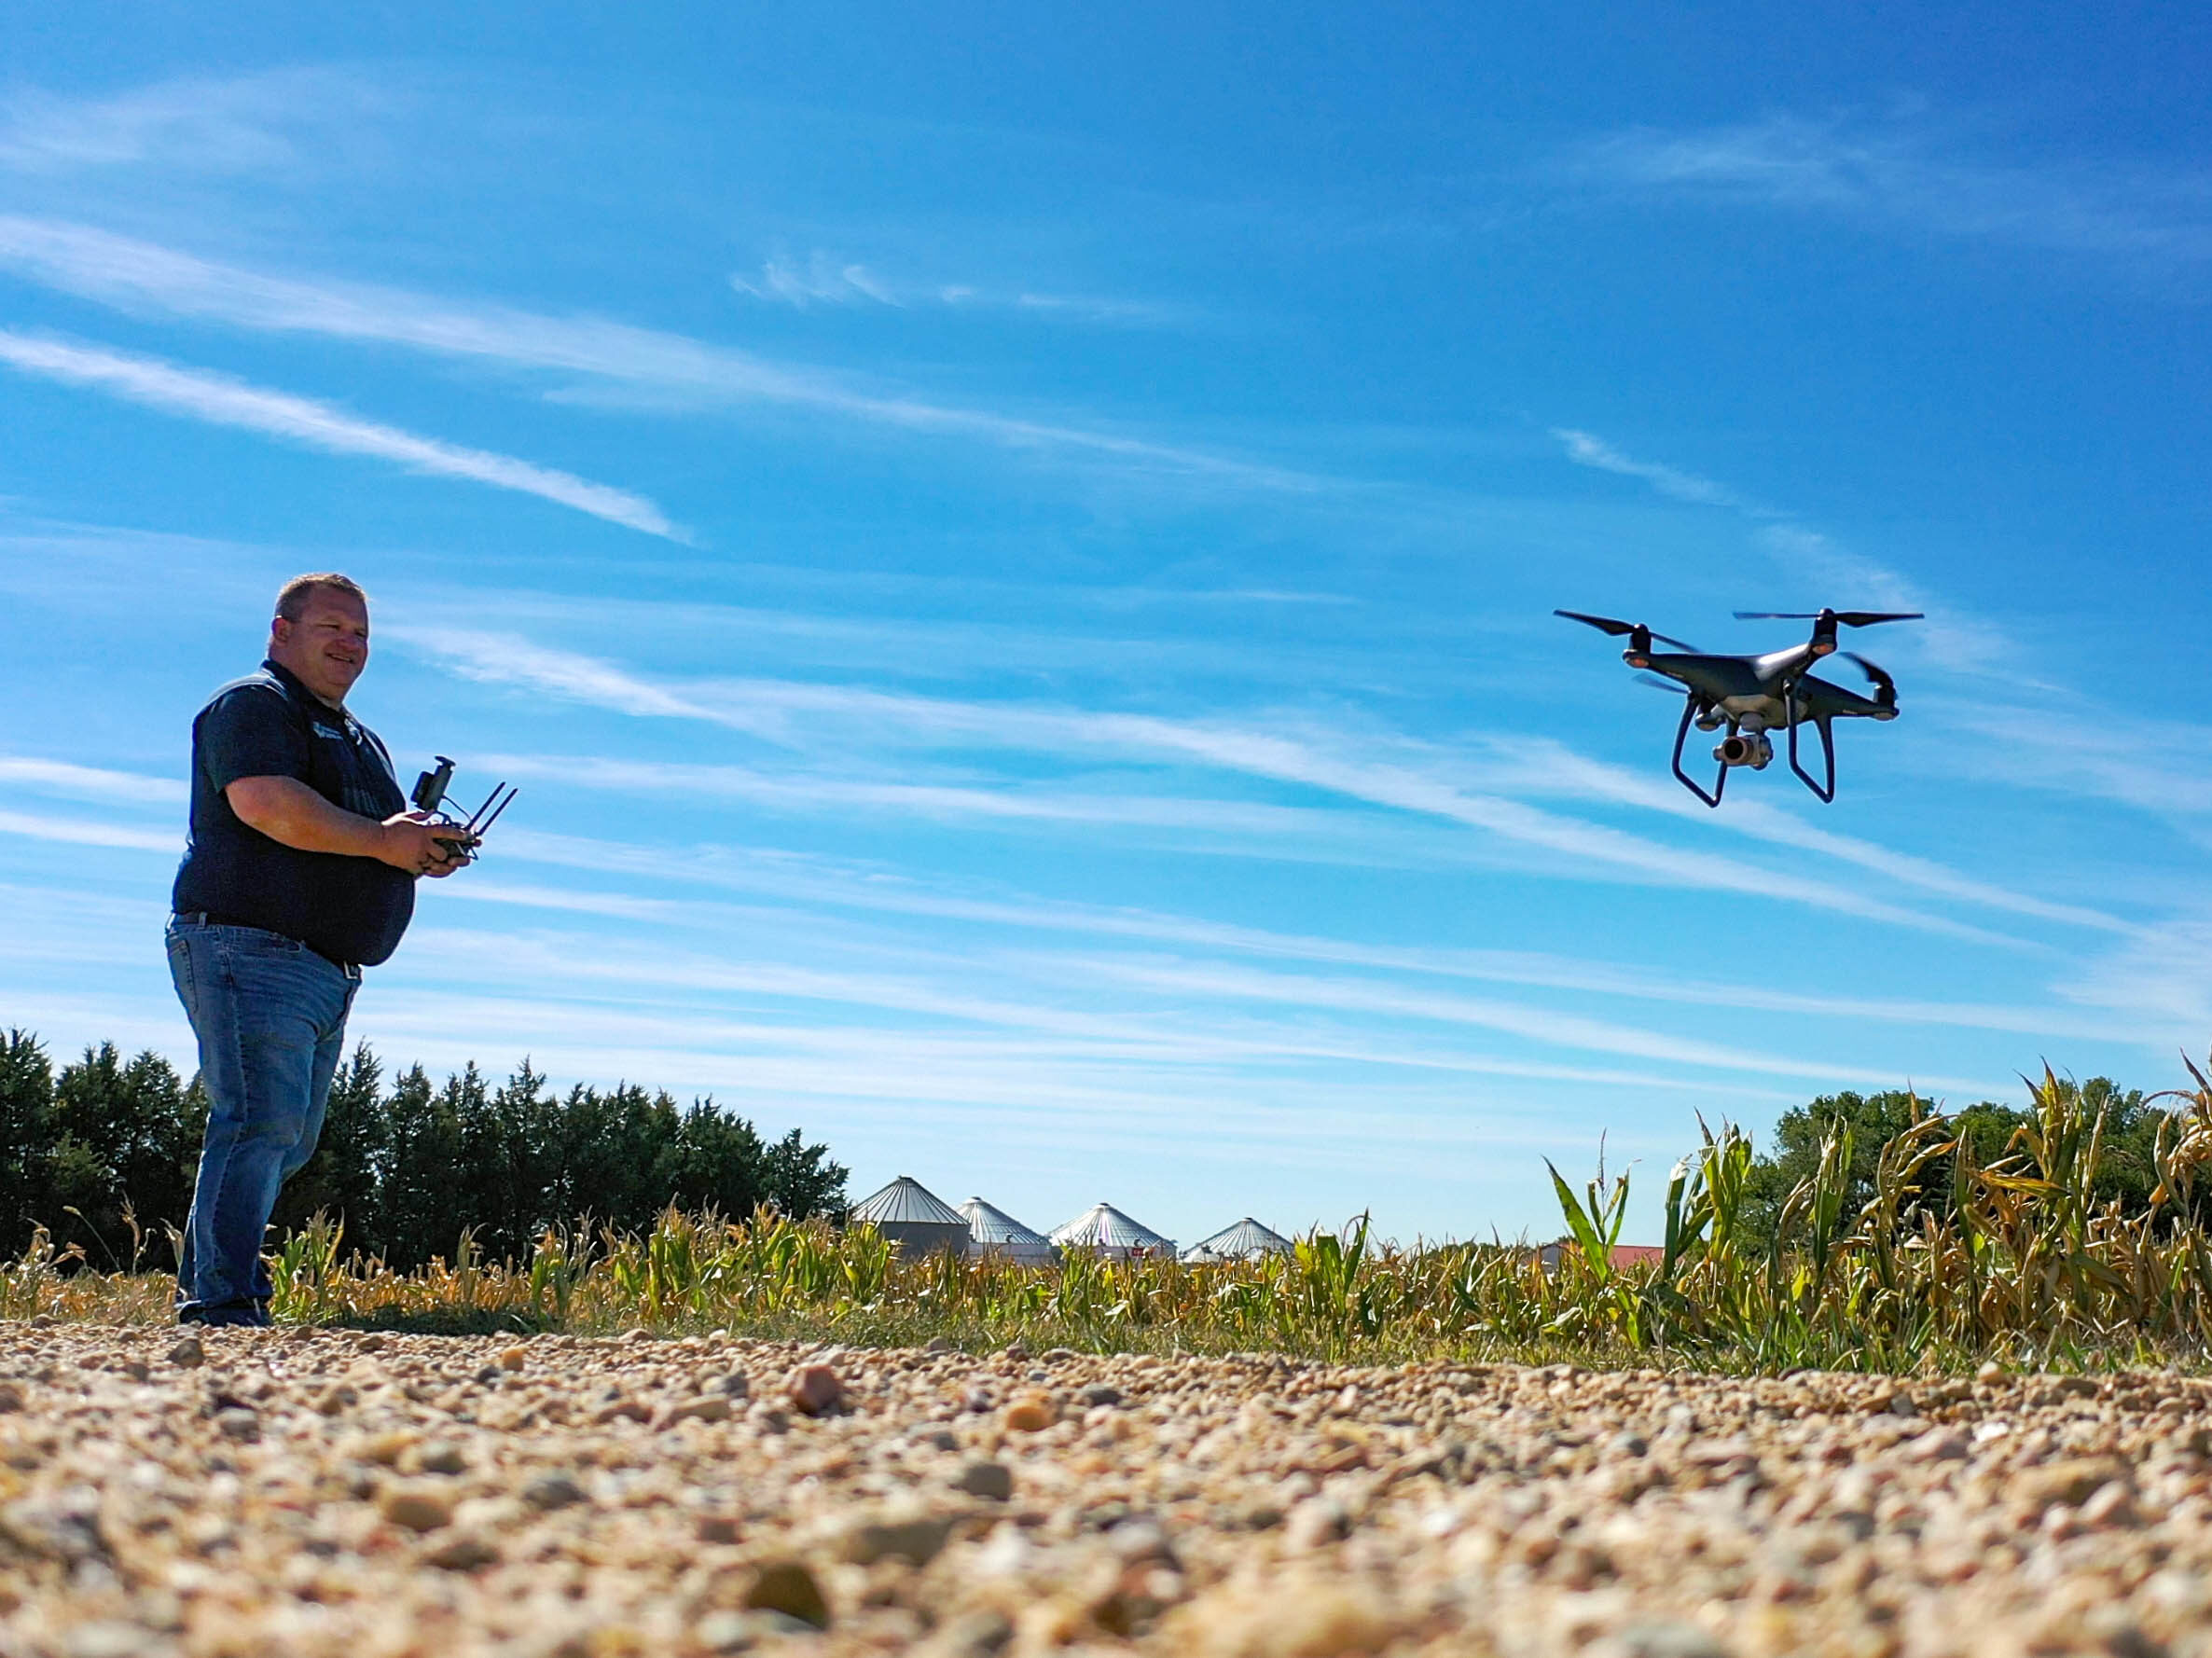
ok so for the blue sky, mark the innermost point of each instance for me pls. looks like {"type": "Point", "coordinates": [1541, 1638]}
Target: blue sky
{"type": "Point", "coordinates": [1012, 555]}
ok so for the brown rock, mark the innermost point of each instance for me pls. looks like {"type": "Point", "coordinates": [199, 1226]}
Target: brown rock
{"type": "Point", "coordinates": [1136, 1598]}
{"type": "Point", "coordinates": [815, 1391]}
{"type": "Point", "coordinates": [187, 1353]}
{"type": "Point", "coordinates": [979, 1633]}
{"type": "Point", "coordinates": [552, 1490]}
{"type": "Point", "coordinates": [1289, 1620]}
{"type": "Point", "coordinates": [919, 1539]}
{"type": "Point", "coordinates": [1938, 1445]}
{"type": "Point", "coordinates": [239, 1425]}
{"type": "Point", "coordinates": [1032, 1412]}
{"type": "Point", "coordinates": [335, 1401]}
{"type": "Point", "coordinates": [787, 1586]}
{"type": "Point", "coordinates": [2072, 1480]}
{"type": "Point", "coordinates": [1316, 1522]}
{"type": "Point", "coordinates": [992, 1481]}
{"type": "Point", "coordinates": [710, 1407]}
{"type": "Point", "coordinates": [417, 1507]}
{"type": "Point", "coordinates": [2112, 1503]}
{"type": "Point", "coordinates": [465, 1550]}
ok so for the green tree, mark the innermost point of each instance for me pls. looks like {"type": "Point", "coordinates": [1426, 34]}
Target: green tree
{"type": "Point", "coordinates": [503, 1161]}
{"type": "Point", "coordinates": [716, 1163]}
{"type": "Point", "coordinates": [424, 1202]}
{"type": "Point", "coordinates": [616, 1160]}
{"type": "Point", "coordinates": [124, 1137]}
{"type": "Point", "coordinates": [802, 1181]}
{"type": "Point", "coordinates": [26, 1137]}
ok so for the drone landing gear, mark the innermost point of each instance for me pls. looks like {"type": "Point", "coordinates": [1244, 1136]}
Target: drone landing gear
{"type": "Point", "coordinates": [1690, 711]}
{"type": "Point", "coordinates": [1827, 794]}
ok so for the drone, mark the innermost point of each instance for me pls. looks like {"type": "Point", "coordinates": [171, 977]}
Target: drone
{"type": "Point", "coordinates": [1754, 695]}
{"type": "Point", "coordinates": [468, 834]}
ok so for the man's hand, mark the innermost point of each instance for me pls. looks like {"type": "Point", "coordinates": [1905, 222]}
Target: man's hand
{"type": "Point", "coordinates": [287, 811]}
{"type": "Point", "coordinates": [412, 842]}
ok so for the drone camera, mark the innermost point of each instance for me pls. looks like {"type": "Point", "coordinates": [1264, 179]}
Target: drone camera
{"type": "Point", "coordinates": [1746, 748]}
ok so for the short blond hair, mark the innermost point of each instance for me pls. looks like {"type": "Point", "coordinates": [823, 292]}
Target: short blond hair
{"type": "Point", "coordinates": [292, 596]}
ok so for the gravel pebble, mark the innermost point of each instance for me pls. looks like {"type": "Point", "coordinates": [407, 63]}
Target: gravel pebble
{"type": "Point", "coordinates": [815, 1389]}
{"type": "Point", "coordinates": [992, 1481]}
{"type": "Point", "coordinates": [188, 1353]}
{"type": "Point", "coordinates": [419, 1508]}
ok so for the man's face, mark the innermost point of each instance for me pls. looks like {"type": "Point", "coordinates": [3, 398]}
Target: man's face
{"type": "Point", "coordinates": [327, 647]}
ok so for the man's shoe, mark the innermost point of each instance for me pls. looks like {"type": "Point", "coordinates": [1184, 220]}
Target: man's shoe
{"type": "Point", "coordinates": [247, 1314]}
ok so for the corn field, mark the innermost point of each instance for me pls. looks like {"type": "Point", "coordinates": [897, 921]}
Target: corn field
{"type": "Point", "coordinates": [2020, 1265]}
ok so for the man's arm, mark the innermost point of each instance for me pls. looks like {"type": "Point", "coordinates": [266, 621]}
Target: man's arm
{"type": "Point", "coordinates": [287, 809]}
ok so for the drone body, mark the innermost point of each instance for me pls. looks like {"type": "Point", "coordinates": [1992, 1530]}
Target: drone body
{"type": "Point", "coordinates": [1754, 695]}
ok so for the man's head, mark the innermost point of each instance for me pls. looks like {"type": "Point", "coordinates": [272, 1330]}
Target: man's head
{"type": "Point", "coordinates": [320, 632]}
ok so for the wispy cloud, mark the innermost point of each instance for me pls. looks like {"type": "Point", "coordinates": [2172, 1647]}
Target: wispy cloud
{"type": "Point", "coordinates": [1170, 1024]}
{"type": "Point", "coordinates": [821, 279]}
{"type": "Point", "coordinates": [90, 833]}
{"type": "Point", "coordinates": [1834, 573]}
{"type": "Point", "coordinates": [2162, 767]}
{"type": "Point", "coordinates": [92, 782]}
{"type": "Point", "coordinates": [815, 791]}
{"type": "Point", "coordinates": [230, 125]}
{"type": "Point", "coordinates": [812, 881]}
{"type": "Point", "coordinates": [1908, 172]}
{"type": "Point", "coordinates": [1514, 1018]}
{"type": "Point", "coordinates": [825, 279]}
{"type": "Point", "coordinates": [2161, 983]}
{"type": "Point", "coordinates": [776, 710]}
{"type": "Point", "coordinates": [138, 276]}
{"type": "Point", "coordinates": [1546, 767]}
{"type": "Point", "coordinates": [222, 401]}
{"type": "Point", "coordinates": [1587, 450]}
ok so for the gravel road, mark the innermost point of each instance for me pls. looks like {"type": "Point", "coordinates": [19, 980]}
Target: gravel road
{"type": "Point", "coordinates": [311, 1493]}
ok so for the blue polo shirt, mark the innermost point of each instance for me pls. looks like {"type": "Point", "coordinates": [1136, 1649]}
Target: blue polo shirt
{"type": "Point", "coordinates": [349, 910]}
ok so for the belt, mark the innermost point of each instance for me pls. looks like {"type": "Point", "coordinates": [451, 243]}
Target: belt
{"type": "Point", "coordinates": [215, 918]}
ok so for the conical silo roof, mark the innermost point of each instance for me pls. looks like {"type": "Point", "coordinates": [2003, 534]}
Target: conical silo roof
{"type": "Point", "coordinates": [1247, 1240]}
{"type": "Point", "coordinates": [915, 1220]}
{"type": "Point", "coordinates": [907, 1201]}
{"type": "Point", "coordinates": [1105, 1227]}
{"type": "Point", "coordinates": [991, 1231]}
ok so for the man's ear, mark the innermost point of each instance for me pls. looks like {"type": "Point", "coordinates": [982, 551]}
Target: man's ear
{"type": "Point", "coordinates": [280, 628]}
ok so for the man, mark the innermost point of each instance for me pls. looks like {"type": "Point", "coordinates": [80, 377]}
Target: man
{"type": "Point", "coordinates": [299, 871]}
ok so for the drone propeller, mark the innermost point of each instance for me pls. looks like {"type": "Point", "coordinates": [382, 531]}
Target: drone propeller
{"type": "Point", "coordinates": [1606, 624]}
{"type": "Point", "coordinates": [1661, 683]}
{"type": "Point", "coordinates": [1884, 687]}
{"type": "Point", "coordinates": [1845, 618]}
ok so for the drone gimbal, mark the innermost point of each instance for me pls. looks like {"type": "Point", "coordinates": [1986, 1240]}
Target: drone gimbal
{"type": "Point", "coordinates": [466, 835]}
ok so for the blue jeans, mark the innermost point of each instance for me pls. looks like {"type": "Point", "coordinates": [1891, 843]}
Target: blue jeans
{"type": "Point", "coordinates": [271, 1017]}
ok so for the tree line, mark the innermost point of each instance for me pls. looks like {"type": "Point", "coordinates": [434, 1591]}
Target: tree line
{"type": "Point", "coordinates": [104, 1141]}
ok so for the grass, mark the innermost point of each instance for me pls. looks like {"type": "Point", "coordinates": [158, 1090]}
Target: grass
{"type": "Point", "coordinates": [2016, 1263]}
